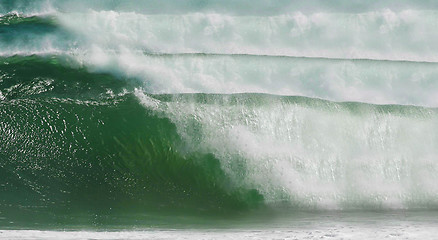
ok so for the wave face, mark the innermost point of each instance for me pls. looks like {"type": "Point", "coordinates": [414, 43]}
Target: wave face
{"type": "Point", "coordinates": [214, 107]}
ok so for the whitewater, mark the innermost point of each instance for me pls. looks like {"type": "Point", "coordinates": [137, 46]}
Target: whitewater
{"type": "Point", "coordinates": [201, 119]}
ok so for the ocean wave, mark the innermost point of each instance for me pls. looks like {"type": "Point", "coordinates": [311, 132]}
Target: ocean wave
{"type": "Point", "coordinates": [88, 134]}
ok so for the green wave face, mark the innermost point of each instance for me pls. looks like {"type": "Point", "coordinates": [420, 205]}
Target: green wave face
{"type": "Point", "coordinates": [86, 152]}
{"type": "Point", "coordinates": [74, 140]}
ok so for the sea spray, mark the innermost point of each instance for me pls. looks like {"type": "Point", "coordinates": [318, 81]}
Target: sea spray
{"type": "Point", "coordinates": [315, 153]}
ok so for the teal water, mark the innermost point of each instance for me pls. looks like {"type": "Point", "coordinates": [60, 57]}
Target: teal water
{"type": "Point", "coordinates": [187, 114]}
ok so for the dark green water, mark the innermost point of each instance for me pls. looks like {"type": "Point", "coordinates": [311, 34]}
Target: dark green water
{"type": "Point", "coordinates": [69, 146]}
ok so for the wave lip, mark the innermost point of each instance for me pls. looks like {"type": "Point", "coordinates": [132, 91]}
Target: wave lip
{"type": "Point", "coordinates": [380, 82]}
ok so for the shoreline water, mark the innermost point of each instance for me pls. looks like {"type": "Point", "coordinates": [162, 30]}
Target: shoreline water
{"type": "Point", "coordinates": [340, 225]}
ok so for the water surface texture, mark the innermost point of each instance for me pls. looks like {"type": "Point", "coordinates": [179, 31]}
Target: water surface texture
{"type": "Point", "coordinates": [209, 119]}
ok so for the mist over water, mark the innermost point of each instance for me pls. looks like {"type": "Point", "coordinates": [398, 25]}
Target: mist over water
{"type": "Point", "coordinates": [216, 107]}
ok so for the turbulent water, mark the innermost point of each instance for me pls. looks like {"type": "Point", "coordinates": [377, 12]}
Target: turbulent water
{"type": "Point", "coordinates": [151, 113]}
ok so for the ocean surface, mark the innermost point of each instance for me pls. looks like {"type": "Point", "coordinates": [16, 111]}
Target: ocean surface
{"type": "Point", "coordinates": [209, 119]}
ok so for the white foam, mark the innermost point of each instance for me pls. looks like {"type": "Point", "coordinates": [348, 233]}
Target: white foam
{"type": "Point", "coordinates": [336, 229]}
{"type": "Point", "coordinates": [323, 157]}
{"type": "Point", "coordinates": [338, 80]}
{"type": "Point", "coordinates": [384, 34]}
